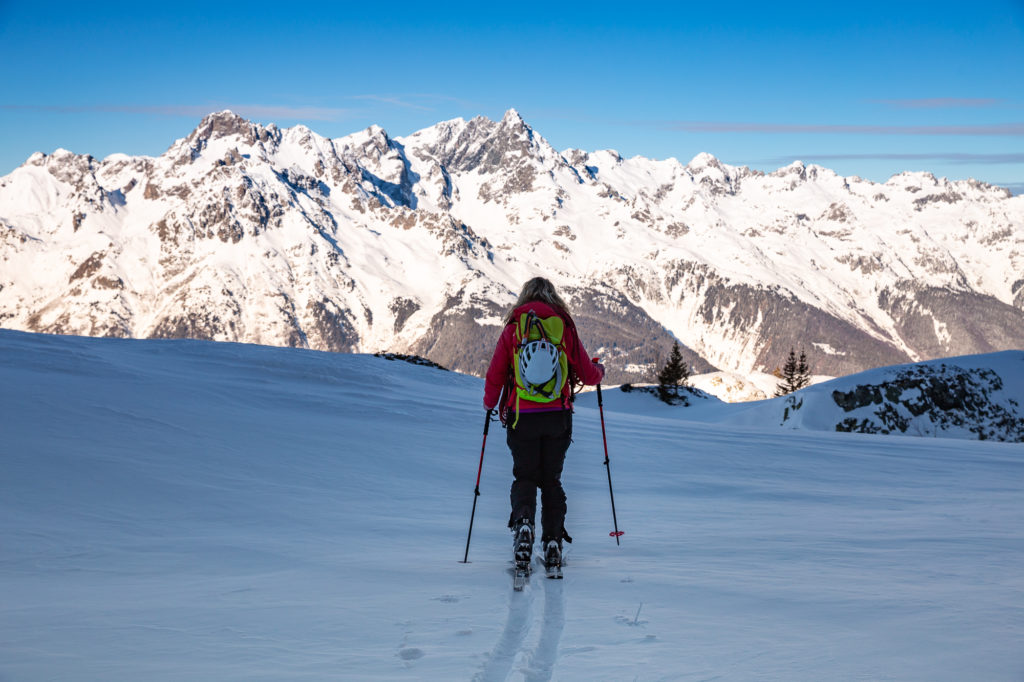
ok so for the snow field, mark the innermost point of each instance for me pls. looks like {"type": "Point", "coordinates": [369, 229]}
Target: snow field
{"type": "Point", "coordinates": [186, 510]}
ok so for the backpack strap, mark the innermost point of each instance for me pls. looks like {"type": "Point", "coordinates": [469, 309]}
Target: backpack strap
{"type": "Point", "coordinates": [524, 325]}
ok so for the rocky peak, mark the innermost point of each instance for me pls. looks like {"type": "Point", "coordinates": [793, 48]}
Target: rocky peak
{"type": "Point", "coordinates": [913, 181]}
{"type": "Point", "coordinates": [702, 161]}
{"type": "Point", "coordinates": [229, 124]}
{"type": "Point", "coordinates": [714, 176]}
{"type": "Point", "coordinates": [37, 159]}
{"type": "Point", "coordinates": [377, 139]}
{"type": "Point", "coordinates": [796, 168]}
{"type": "Point", "coordinates": [477, 143]}
{"type": "Point", "coordinates": [67, 166]}
{"type": "Point", "coordinates": [512, 116]}
{"type": "Point", "coordinates": [514, 124]}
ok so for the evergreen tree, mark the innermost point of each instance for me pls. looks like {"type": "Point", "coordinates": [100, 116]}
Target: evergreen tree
{"type": "Point", "coordinates": [803, 372]}
{"type": "Point", "coordinates": [795, 374]}
{"type": "Point", "coordinates": [674, 374]}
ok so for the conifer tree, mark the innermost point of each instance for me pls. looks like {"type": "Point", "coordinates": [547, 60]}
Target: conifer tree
{"type": "Point", "coordinates": [795, 374]}
{"type": "Point", "coordinates": [672, 375]}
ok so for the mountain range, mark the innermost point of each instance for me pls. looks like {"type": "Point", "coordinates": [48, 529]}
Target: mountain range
{"type": "Point", "coordinates": [419, 244]}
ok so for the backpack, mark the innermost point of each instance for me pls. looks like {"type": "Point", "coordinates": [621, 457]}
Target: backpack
{"type": "Point", "coordinates": [540, 365]}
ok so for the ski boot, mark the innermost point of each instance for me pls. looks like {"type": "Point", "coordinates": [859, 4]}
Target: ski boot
{"type": "Point", "coordinates": [553, 559]}
{"type": "Point", "coordinates": [522, 547]}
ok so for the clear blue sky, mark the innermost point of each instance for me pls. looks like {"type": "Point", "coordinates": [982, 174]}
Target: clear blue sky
{"type": "Point", "coordinates": [869, 88]}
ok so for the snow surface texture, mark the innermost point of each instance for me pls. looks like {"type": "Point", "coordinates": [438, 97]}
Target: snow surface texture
{"type": "Point", "coordinates": [245, 232]}
{"type": "Point", "coordinates": [180, 510]}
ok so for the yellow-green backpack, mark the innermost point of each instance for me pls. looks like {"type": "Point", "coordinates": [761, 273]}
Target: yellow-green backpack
{"type": "Point", "coordinates": [540, 365]}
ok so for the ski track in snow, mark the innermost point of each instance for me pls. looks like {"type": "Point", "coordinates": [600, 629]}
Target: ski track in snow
{"type": "Point", "coordinates": [510, 643]}
{"type": "Point", "coordinates": [536, 664]}
{"type": "Point", "coordinates": [545, 655]}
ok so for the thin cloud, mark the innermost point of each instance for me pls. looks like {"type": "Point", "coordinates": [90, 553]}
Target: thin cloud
{"type": "Point", "coordinates": [941, 103]}
{"type": "Point", "coordinates": [191, 110]}
{"type": "Point", "coordinates": [307, 113]}
{"type": "Point", "coordinates": [419, 101]}
{"type": "Point", "coordinates": [995, 129]}
{"type": "Point", "coordinates": [941, 157]}
{"type": "Point", "coordinates": [394, 101]}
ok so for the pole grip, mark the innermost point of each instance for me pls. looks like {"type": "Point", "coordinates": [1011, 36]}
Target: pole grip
{"type": "Point", "coordinates": [600, 403]}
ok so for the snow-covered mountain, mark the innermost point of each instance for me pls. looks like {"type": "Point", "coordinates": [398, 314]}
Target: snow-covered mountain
{"type": "Point", "coordinates": [253, 233]}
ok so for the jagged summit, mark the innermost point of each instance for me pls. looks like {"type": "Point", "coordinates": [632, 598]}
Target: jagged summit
{"type": "Point", "coordinates": [513, 116]}
{"type": "Point", "coordinates": [226, 123]}
{"type": "Point", "coordinates": [704, 160]}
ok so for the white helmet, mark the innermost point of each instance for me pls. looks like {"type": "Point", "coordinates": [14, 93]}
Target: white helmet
{"type": "Point", "coordinates": [538, 362]}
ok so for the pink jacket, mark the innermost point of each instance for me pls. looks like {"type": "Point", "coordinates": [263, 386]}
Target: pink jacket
{"type": "Point", "coordinates": [589, 372]}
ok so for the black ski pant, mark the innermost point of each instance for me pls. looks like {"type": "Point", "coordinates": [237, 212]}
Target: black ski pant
{"type": "Point", "coordinates": [538, 444]}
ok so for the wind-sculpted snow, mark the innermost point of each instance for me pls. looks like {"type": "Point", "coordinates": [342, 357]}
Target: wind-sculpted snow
{"type": "Point", "coordinates": [417, 244]}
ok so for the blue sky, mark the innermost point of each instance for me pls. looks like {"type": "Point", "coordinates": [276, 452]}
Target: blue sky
{"type": "Point", "coordinates": [864, 88]}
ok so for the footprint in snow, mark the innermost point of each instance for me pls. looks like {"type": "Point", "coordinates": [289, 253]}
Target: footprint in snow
{"type": "Point", "coordinates": [410, 654]}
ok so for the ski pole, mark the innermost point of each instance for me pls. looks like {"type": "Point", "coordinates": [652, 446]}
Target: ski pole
{"type": "Point", "coordinates": [600, 406]}
{"type": "Point", "coordinates": [476, 490]}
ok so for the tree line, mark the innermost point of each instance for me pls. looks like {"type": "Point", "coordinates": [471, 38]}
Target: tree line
{"type": "Point", "coordinates": [675, 375]}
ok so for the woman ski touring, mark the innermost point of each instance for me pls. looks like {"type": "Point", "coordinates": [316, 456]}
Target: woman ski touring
{"type": "Point", "coordinates": [537, 360]}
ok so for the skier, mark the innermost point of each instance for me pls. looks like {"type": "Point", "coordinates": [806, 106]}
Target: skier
{"type": "Point", "coordinates": [539, 341]}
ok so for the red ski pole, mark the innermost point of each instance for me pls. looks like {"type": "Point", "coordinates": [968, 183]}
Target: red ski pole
{"type": "Point", "coordinates": [476, 490]}
{"type": "Point", "coordinates": [600, 406]}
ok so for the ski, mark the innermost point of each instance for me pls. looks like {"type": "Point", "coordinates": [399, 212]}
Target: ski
{"type": "Point", "coordinates": [520, 577]}
{"type": "Point", "coordinates": [553, 572]}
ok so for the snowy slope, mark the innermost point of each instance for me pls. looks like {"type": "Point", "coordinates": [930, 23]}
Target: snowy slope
{"type": "Point", "coordinates": [974, 397]}
{"type": "Point", "coordinates": [248, 232]}
{"type": "Point", "coordinates": [177, 510]}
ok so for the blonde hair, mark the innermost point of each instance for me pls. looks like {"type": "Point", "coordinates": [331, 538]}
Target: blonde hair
{"type": "Point", "coordinates": [538, 289]}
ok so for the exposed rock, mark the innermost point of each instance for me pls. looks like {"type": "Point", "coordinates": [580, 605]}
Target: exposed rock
{"type": "Point", "coordinates": [411, 359]}
{"type": "Point", "coordinates": [456, 339]}
{"type": "Point", "coordinates": [403, 309]}
{"type": "Point", "coordinates": [948, 396]}
{"type": "Point", "coordinates": [89, 267]}
{"type": "Point", "coordinates": [332, 328]}
{"type": "Point", "coordinates": [943, 322]}
{"type": "Point", "coordinates": [946, 198]}
{"type": "Point", "coordinates": [838, 212]}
